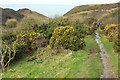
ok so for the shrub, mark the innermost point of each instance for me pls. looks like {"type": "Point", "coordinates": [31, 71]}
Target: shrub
{"type": "Point", "coordinates": [27, 23]}
{"type": "Point", "coordinates": [67, 37]}
{"type": "Point", "coordinates": [60, 21]}
{"type": "Point", "coordinates": [48, 27]}
{"type": "Point", "coordinates": [93, 27]}
{"type": "Point", "coordinates": [44, 29]}
{"type": "Point", "coordinates": [8, 54]}
{"type": "Point", "coordinates": [9, 36]}
{"type": "Point", "coordinates": [11, 52]}
{"type": "Point", "coordinates": [92, 23]}
{"type": "Point", "coordinates": [89, 20]}
{"type": "Point", "coordinates": [20, 51]}
{"type": "Point", "coordinates": [11, 24]}
{"type": "Point", "coordinates": [111, 31]}
{"type": "Point", "coordinates": [87, 30]}
{"type": "Point", "coordinates": [82, 29]}
{"type": "Point", "coordinates": [102, 26]}
{"type": "Point", "coordinates": [29, 40]}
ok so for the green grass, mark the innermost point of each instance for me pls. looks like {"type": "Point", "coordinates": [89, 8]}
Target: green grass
{"type": "Point", "coordinates": [91, 44]}
{"type": "Point", "coordinates": [113, 55]}
{"type": "Point", "coordinates": [79, 64]}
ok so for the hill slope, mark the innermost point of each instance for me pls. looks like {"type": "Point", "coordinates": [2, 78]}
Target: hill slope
{"type": "Point", "coordinates": [26, 12]}
{"type": "Point", "coordinates": [20, 14]}
{"type": "Point", "coordinates": [103, 12]}
{"type": "Point", "coordinates": [10, 14]}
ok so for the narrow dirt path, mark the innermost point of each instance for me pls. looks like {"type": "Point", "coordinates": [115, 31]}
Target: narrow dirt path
{"type": "Point", "coordinates": [108, 67]}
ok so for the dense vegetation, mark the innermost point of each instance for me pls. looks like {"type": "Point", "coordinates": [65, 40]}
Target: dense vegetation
{"type": "Point", "coordinates": [62, 63]}
{"type": "Point", "coordinates": [67, 37]}
{"type": "Point", "coordinates": [111, 31]}
{"type": "Point", "coordinates": [55, 32]}
{"type": "Point", "coordinates": [58, 47]}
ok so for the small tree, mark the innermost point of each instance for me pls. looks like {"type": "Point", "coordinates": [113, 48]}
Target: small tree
{"type": "Point", "coordinates": [9, 53]}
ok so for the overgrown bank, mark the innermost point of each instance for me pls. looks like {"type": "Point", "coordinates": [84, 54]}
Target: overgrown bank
{"type": "Point", "coordinates": [66, 64]}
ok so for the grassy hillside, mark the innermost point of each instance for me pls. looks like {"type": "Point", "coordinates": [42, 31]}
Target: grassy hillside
{"type": "Point", "coordinates": [33, 14]}
{"type": "Point", "coordinates": [36, 46]}
{"type": "Point", "coordinates": [26, 11]}
{"type": "Point", "coordinates": [23, 18]}
{"type": "Point", "coordinates": [66, 64]}
{"type": "Point", "coordinates": [10, 14]}
{"type": "Point", "coordinates": [91, 7]}
{"type": "Point", "coordinates": [98, 11]}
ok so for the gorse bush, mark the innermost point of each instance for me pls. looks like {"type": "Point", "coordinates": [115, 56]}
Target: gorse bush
{"type": "Point", "coordinates": [67, 37]}
{"type": "Point", "coordinates": [26, 42]}
{"type": "Point", "coordinates": [9, 36]}
{"type": "Point", "coordinates": [90, 20]}
{"type": "Point", "coordinates": [48, 28]}
{"type": "Point", "coordinates": [92, 23]}
{"type": "Point", "coordinates": [102, 26]}
{"type": "Point", "coordinates": [94, 27]}
{"type": "Point", "coordinates": [82, 29]}
{"type": "Point", "coordinates": [110, 28]}
{"type": "Point", "coordinates": [29, 40]}
{"type": "Point", "coordinates": [111, 31]}
{"type": "Point", "coordinates": [60, 21]}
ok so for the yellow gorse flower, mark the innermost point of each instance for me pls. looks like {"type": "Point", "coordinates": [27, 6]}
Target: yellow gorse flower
{"type": "Point", "coordinates": [26, 37]}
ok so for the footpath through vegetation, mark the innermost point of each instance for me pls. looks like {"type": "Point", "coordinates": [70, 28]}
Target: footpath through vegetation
{"type": "Point", "coordinates": [108, 66]}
